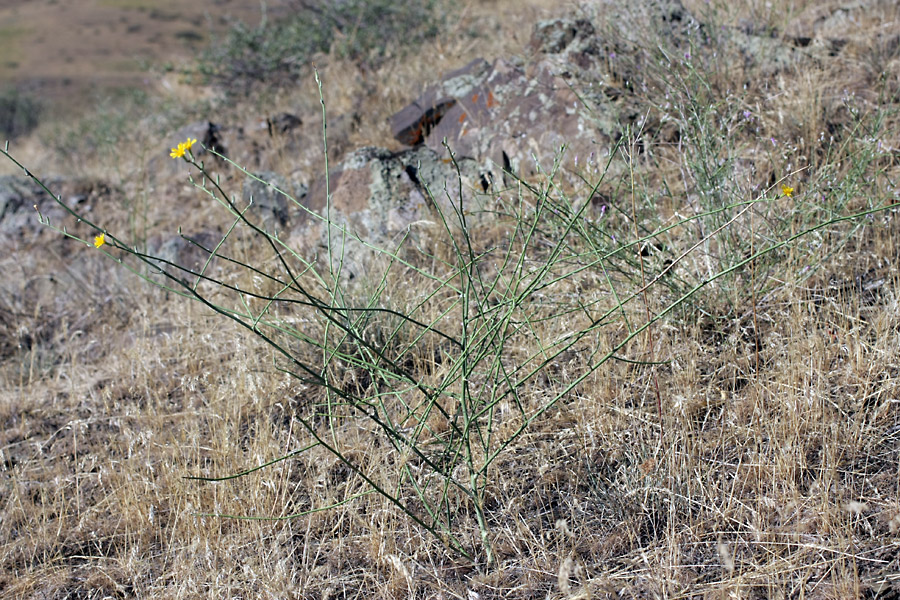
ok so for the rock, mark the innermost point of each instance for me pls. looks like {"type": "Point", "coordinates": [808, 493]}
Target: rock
{"type": "Point", "coordinates": [283, 123]}
{"type": "Point", "coordinates": [382, 193]}
{"type": "Point", "coordinates": [553, 37]}
{"type": "Point", "coordinates": [382, 197]}
{"type": "Point", "coordinates": [16, 192]}
{"type": "Point", "coordinates": [415, 122]}
{"type": "Point", "coordinates": [504, 113]}
{"type": "Point", "coordinates": [205, 132]}
{"type": "Point", "coordinates": [185, 250]}
{"type": "Point", "coordinates": [20, 195]}
{"type": "Point", "coordinates": [19, 221]}
{"type": "Point", "coordinates": [267, 203]}
{"type": "Point", "coordinates": [763, 54]}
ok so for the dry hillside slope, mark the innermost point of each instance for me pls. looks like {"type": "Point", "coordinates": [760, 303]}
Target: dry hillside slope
{"type": "Point", "coordinates": [633, 332]}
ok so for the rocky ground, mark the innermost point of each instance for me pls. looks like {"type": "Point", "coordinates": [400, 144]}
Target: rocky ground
{"type": "Point", "coordinates": [721, 173]}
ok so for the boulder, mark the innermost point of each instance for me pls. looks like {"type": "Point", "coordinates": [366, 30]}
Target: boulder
{"type": "Point", "coordinates": [382, 193]}
{"type": "Point", "coordinates": [265, 193]}
{"type": "Point", "coordinates": [188, 250]}
{"type": "Point", "coordinates": [382, 197]}
{"type": "Point", "coordinates": [579, 90]}
{"type": "Point", "coordinates": [504, 114]}
{"type": "Point", "coordinates": [414, 123]}
{"type": "Point", "coordinates": [21, 198]}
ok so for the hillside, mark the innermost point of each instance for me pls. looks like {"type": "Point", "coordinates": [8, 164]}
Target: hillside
{"type": "Point", "coordinates": [499, 300]}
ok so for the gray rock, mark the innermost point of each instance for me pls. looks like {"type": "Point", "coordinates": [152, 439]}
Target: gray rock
{"type": "Point", "coordinates": [265, 193]}
{"type": "Point", "coordinates": [382, 193]}
{"type": "Point", "coordinates": [382, 198]}
{"type": "Point", "coordinates": [555, 36]}
{"type": "Point", "coordinates": [191, 251]}
{"type": "Point", "coordinates": [17, 192]}
{"type": "Point", "coordinates": [22, 201]}
{"type": "Point", "coordinates": [506, 114]}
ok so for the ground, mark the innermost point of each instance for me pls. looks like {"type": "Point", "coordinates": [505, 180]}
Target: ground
{"type": "Point", "coordinates": [694, 395]}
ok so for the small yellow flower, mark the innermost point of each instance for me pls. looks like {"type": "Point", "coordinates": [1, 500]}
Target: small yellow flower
{"type": "Point", "coordinates": [99, 240]}
{"type": "Point", "coordinates": [182, 148]}
{"type": "Point", "coordinates": [787, 190]}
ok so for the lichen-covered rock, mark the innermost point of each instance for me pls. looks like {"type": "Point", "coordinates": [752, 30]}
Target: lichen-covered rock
{"type": "Point", "coordinates": [265, 193]}
{"type": "Point", "coordinates": [382, 193]}
{"type": "Point", "coordinates": [414, 123]}
{"type": "Point", "coordinates": [23, 201]}
{"type": "Point", "coordinates": [382, 198]}
{"type": "Point", "coordinates": [188, 250]}
{"type": "Point", "coordinates": [581, 89]}
{"type": "Point", "coordinates": [504, 114]}
{"type": "Point", "coordinates": [556, 35]}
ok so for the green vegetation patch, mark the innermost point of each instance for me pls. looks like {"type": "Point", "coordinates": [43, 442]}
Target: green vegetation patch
{"type": "Point", "coordinates": [275, 52]}
{"type": "Point", "coordinates": [19, 113]}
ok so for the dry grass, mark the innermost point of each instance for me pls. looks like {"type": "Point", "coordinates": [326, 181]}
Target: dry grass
{"type": "Point", "coordinates": [776, 474]}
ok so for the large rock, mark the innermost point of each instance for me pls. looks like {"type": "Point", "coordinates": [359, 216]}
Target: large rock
{"type": "Point", "coordinates": [503, 113]}
{"type": "Point", "coordinates": [576, 93]}
{"type": "Point", "coordinates": [383, 198]}
{"type": "Point", "coordinates": [267, 194]}
{"type": "Point", "coordinates": [23, 202]}
{"type": "Point", "coordinates": [191, 251]}
{"type": "Point", "coordinates": [382, 193]}
{"type": "Point", "coordinates": [581, 88]}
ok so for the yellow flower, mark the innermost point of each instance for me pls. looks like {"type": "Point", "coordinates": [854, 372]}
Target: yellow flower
{"type": "Point", "coordinates": [182, 148]}
{"type": "Point", "coordinates": [787, 190]}
{"type": "Point", "coordinates": [99, 240]}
